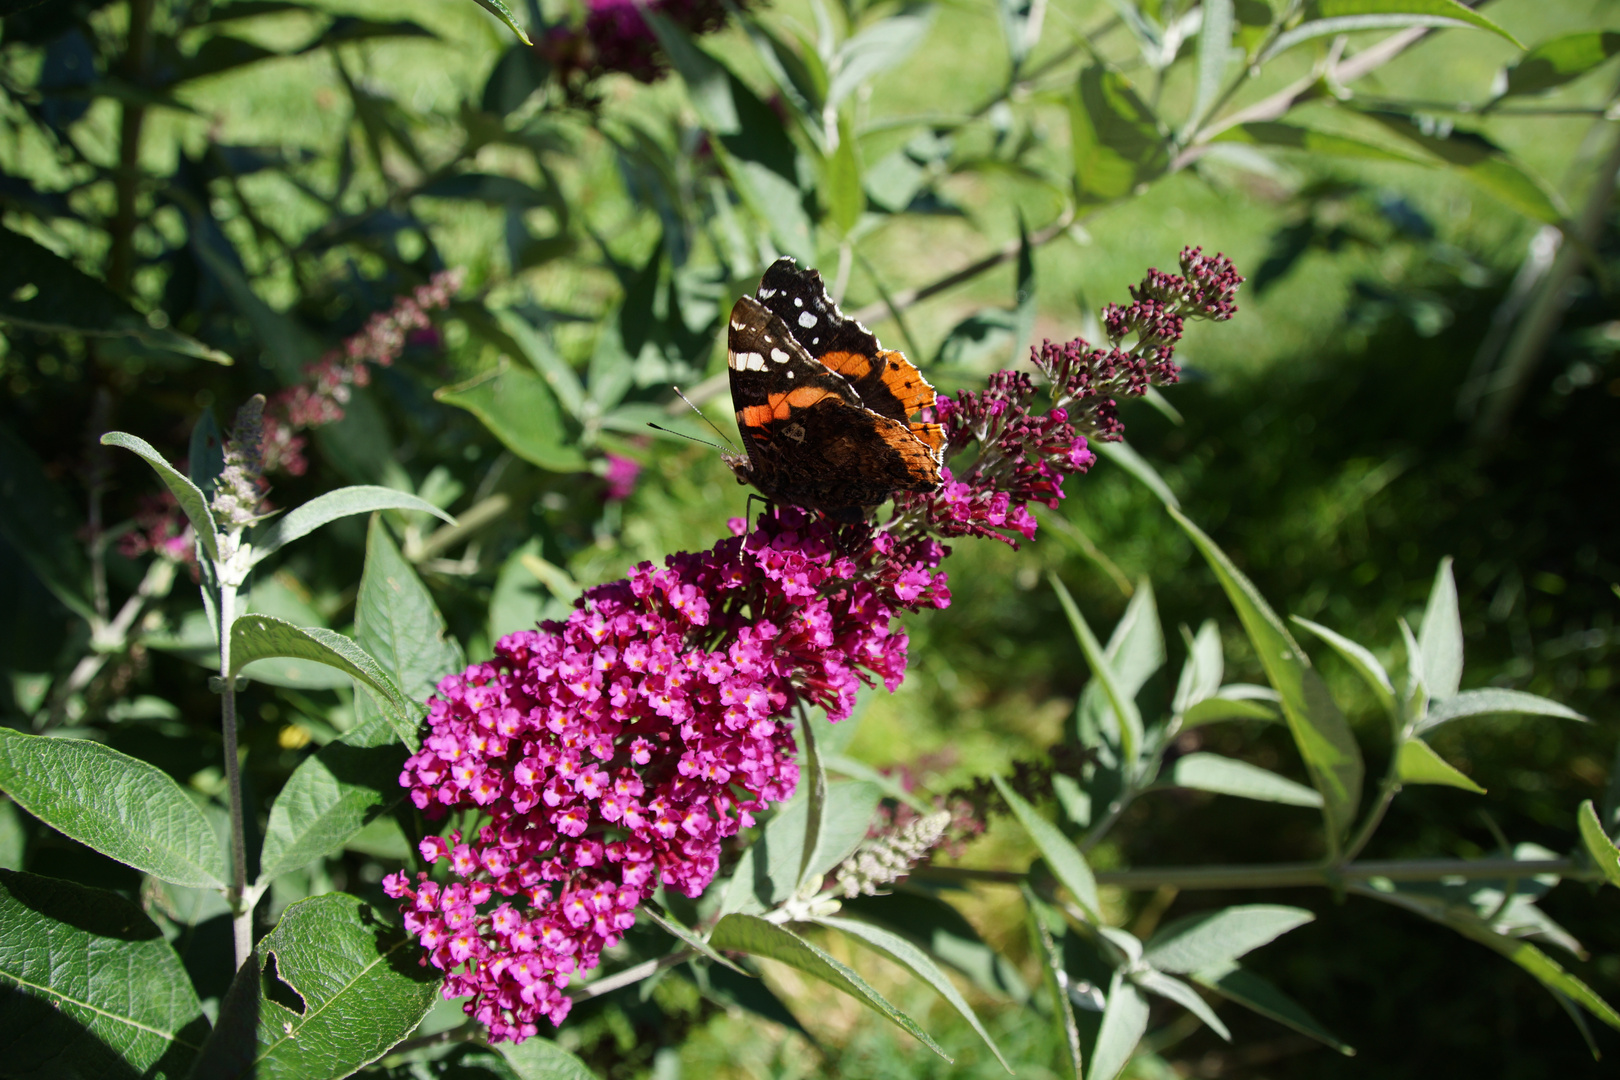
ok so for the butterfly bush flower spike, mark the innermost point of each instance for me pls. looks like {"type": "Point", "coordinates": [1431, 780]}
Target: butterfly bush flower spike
{"type": "Point", "coordinates": [614, 752]}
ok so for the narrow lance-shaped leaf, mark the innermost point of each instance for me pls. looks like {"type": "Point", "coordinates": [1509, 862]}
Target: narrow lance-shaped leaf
{"type": "Point", "coordinates": [815, 804]}
{"type": "Point", "coordinates": [1115, 137]}
{"type": "Point", "coordinates": [90, 987]}
{"type": "Point", "coordinates": [1348, 16]}
{"type": "Point", "coordinates": [1214, 56]}
{"type": "Point", "coordinates": [1236, 983]}
{"type": "Point", "coordinates": [344, 502]}
{"type": "Point", "coordinates": [1484, 165]}
{"type": "Point", "coordinates": [1204, 669]}
{"type": "Point", "coordinates": [1123, 1025]}
{"type": "Point", "coordinates": [1440, 637]}
{"type": "Point", "coordinates": [1598, 845]}
{"type": "Point", "coordinates": [755, 936]}
{"type": "Point", "coordinates": [1228, 776]}
{"type": "Point", "coordinates": [187, 494]}
{"type": "Point", "coordinates": [1561, 60]}
{"type": "Point", "coordinates": [846, 198]}
{"type": "Point", "coordinates": [880, 47]}
{"type": "Point", "coordinates": [255, 637]}
{"type": "Point", "coordinates": [1122, 454]}
{"type": "Point", "coordinates": [1203, 941]}
{"type": "Point", "coordinates": [1124, 704]}
{"type": "Point", "coordinates": [688, 937]}
{"type": "Point", "coordinates": [330, 797]}
{"type": "Point", "coordinates": [1042, 920]}
{"type": "Point", "coordinates": [1064, 859]}
{"type": "Point", "coordinates": [357, 977]}
{"type": "Point", "coordinates": [908, 955]}
{"type": "Point", "coordinates": [1319, 729]}
{"type": "Point", "coordinates": [1417, 763]}
{"type": "Point", "coordinates": [1491, 700]}
{"type": "Point", "coordinates": [516, 406]}
{"type": "Point", "coordinates": [708, 85]}
{"type": "Point", "coordinates": [1157, 982]}
{"type": "Point", "coordinates": [1361, 659]}
{"type": "Point", "coordinates": [499, 9]}
{"type": "Point", "coordinates": [119, 805]}
{"type": "Point", "coordinates": [1294, 137]}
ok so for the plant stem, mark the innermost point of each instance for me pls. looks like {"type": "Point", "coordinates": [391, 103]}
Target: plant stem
{"type": "Point", "coordinates": [1289, 875]}
{"type": "Point", "coordinates": [242, 914]}
{"type": "Point", "coordinates": [126, 184]}
{"type": "Point", "coordinates": [630, 975]}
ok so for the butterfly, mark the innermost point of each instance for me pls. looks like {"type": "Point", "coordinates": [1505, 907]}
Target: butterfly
{"type": "Point", "coordinates": [823, 409]}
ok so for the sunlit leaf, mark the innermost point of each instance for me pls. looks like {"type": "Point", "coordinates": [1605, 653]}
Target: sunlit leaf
{"type": "Point", "coordinates": [1156, 982]}
{"type": "Point", "coordinates": [499, 9]}
{"type": "Point", "coordinates": [192, 501]}
{"type": "Point", "coordinates": [1068, 865]}
{"type": "Point", "coordinates": [1116, 140]}
{"type": "Point", "coordinates": [1228, 776]}
{"type": "Point", "coordinates": [1419, 764]}
{"type": "Point", "coordinates": [1124, 1023]}
{"type": "Point", "coordinates": [1489, 701]}
{"type": "Point", "coordinates": [255, 637]}
{"type": "Point", "coordinates": [1598, 845]}
{"type": "Point", "coordinates": [772, 867]}
{"type": "Point", "coordinates": [323, 509]}
{"type": "Point", "coordinates": [1440, 636]}
{"type": "Point", "coordinates": [881, 46]}
{"type": "Point", "coordinates": [119, 805]}
{"type": "Point", "coordinates": [517, 407]}
{"type": "Point", "coordinates": [1559, 61]}
{"type": "Point", "coordinates": [1361, 659]}
{"type": "Point", "coordinates": [541, 1059]}
{"type": "Point", "coordinates": [1214, 56]}
{"type": "Point", "coordinates": [397, 622]}
{"type": "Point", "coordinates": [1329, 17]}
{"type": "Point", "coordinates": [1484, 165]}
{"type": "Point", "coordinates": [1208, 940]}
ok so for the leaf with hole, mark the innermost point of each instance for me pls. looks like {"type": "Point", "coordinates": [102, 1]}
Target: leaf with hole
{"type": "Point", "coordinates": [119, 805]}
{"type": "Point", "coordinates": [89, 987]}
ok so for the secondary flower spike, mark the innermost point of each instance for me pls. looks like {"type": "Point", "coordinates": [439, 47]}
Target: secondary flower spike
{"type": "Point", "coordinates": [615, 751]}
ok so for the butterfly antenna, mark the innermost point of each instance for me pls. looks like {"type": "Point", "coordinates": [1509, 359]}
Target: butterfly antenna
{"type": "Point", "coordinates": [689, 438]}
{"type": "Point", "coordinates": [706, 420]}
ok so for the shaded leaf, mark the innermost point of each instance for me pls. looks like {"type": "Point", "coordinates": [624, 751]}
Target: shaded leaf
{"type": "Point", "coordinates": [1294, 137]}
{"type": "Point", "coordinates": [939, 927]}
{"type": "Point", "coordinates": [91, 988]}
{"type": "Point", "coordinates": [255, 637]}
{"type": "Point", "coordinates": [538, 351]}
{"type": "Point", "coordinates": [398, 624]}
{"type": "Point", "coordinates": [518, 409]}
{"type": "Point", "coordinates": [344, 502]}
{"type": "Point", "coordinates": [708, 83]}
{"type": "Point", "coordinates": [1347, 16]}
{"type": "Point", "coordinates": [1068, 865]}
{"type": "Point", "coordinates": [1121, 699]}
{"type": "Point", "coordinates": [1212, 939]}
{"type": "Point", "coordinates": [755, 936]}
{"type": "Point", "coordinates": [1483, 164]}
{"type": "Point", "coordinates": [908, 955]}
{"type": "Point", "coordinates": [1229, 776]}
{"type": "Point", "coordinates": [1319, 729]}
{"type": "Point", "coordinates": [773, 865]}
{"type": "Point", "coordinates": [1228, 706]}
{"type": "Point", "coordinates": [1559, 61]}
{"type": "Point", "coordinates": [1259, 995]}
{"type": "Point", "coordinates": [541, 1059]}
{"type": "Point", "coordinates": [1116, 139]}
{"type": "Point", "coordinates": [119, 805]}
{"type": "Point", "coordinates": [357, 977]}
{"type": "Point", "coordinates": [334, 794]}
{"type": "Point", "coordinates": [41, 290]}
{"type": "Point", "coordinates": [1419, 764]}
{"type": "Point", "coordinates": [1214, 56]}
{"type": "Point", "coordinates": [39, 522]}
{"type": "Point", "coordinates": [1598, 845]}
{"type": "Point", "coordinates": [690, 938]}
{"type": "Point", "coordinates": [499, 9]}
{"type": "Point", "coordinates": [1156, 982]}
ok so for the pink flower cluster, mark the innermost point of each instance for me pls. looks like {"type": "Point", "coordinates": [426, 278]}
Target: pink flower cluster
{"type": "Point", "coordinates": [615, 751]}
{"type": "Point", "coordinates": [616, 37]}
{"type": "Point", "coordinates": [160, 526]}
{"type": "Point", "coordinates": [320, 400]}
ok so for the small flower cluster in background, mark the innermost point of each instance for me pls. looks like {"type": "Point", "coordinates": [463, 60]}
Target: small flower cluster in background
{"type": "Point", "coordinates": [320, 400]}
{"type": "Point", "coordinates": [1025, 455]}
{"type": "Point", "coordinates": [160, 527]}
{"type": "Point", "coordinates": [616, 751]}
{"type": "Point", "coordinates": [616, 38]}
{"type": "Point", "coordinates": [609, 751]}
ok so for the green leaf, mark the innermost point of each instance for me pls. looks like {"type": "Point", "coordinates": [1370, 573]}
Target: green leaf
{"type": "Point", "coordinates": [1225, 706]}
{"type": "Point", "coordinates": [191, 499]}
{"type": "Point", "coordinates": [1228, 776]}
{"type": "Point", "coordinates": [1043, 922]}
{"type": "Point", "coordinates": [1018, 19]}
{"type": "Point", "coordinates": [1561, 60]}
{"type": "Point", "coordinates": [815, 803]}
{"type": "Point", "coordinates": [772, 867]}
{"type": "Point", "coordinates": [708, 83]}
{"type": "Point", "coordinates": [1124, 1023]}
{"type": "Point", "coordinates": [1068, 865]}
{"type": "Point", "coordinates": [672, 926]}
{"type": "Point", "coordinates": [1598, 845]}
{"type": "Point", "coordinates": [1214, 56]}
{"type": "Point", "coordinates": [1484, 165]}
{"type": "Point", "coordinates": [361, 988]}
{"type": "Point", "coordinates": [397, 622]}
{"type": "Point", "coordinates": [90, 987]}
{"type": "Point", "coordinates": [846, 199]}
{"type": "Point", "coordinates": [40, 290]}
{"type": "Point", "coordinates": [1319, 729]}
{"type": "Point", "coordinates": [1440, 638]}
{"type": "Point", "coordinates": [939, 927]}
{"type": "Point", "coordinates": [538, 351]}
{"type": "Point", "coordinates": [227, 1054]}
{"type": "Point", "coordinates": [1361, 659]}
{"type": "Point", "coordinates": [40, 523]}
{"type": "Point", "coordinates": [1259, 995]}
{"type": "Point", "coordinates": [541, 1059]}
{"type": "Point", "coordinates": [1122, 454]}
{"type": "Point", "coordinates": [1211, 939]}
{"type": "Point", "coordinates": [908, 955]}
{"type": "Point", "coordinates": [1293, 137]}
{"type": "Point", "coordinates": [1121, 698]}
{"type": "Point", "coordinates": [755, 936]}
{"type": "Point", "coordinates": [120, 806]}
{"type": "Point", "coordinates": [1157, 982]}
{"type": "Point", "coordinates": [331, 796]}
{"type": "Point", "coordinates": [517, 407]}
{"type": "Point", "coordinates": [344, 502]}
{"type": "Point", "coordinates": [1544, 968]}
{"type": "Point", "coordinates": [881, 47]}
{"type": "Point", "coordinates": [1347, 16]}
{"type": "Point", "coordinates": [1116, 139]}
{"type": "Point", "coordinates": [504, 13]}
{"type": "Point", "coordinates": [1203, 670]}
{"type": "Point", "coordinates": [255, 637]}
{"type": "Point", "coordinates": [1489, 701]}
{"type": "Point", "coordinates": [1419, 764]}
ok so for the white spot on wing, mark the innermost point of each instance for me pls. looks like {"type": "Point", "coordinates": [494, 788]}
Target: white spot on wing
{"type": "Point", "coordinates": [779, 356]}
{"type": "Point", "coordinates": [790, 373]}
{"type": "Point", "coordinates": [766, 294]}
{"type": "Point", "coordinates": [748, 361]}
{"type": "Point", "coordinates": [798, 301]}
{"type": "Point", "coordinates": [806, 319]}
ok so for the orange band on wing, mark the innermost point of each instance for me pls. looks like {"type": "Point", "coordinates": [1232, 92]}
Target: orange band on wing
{"type": "Point", "coordinates": [850, 365]}
{"type": "Point", "coordinates": [755, 416]}
{"type": "Point", "coordinates": [933, 435]}
{"type": "Point", "coordinates": [906, 383]}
